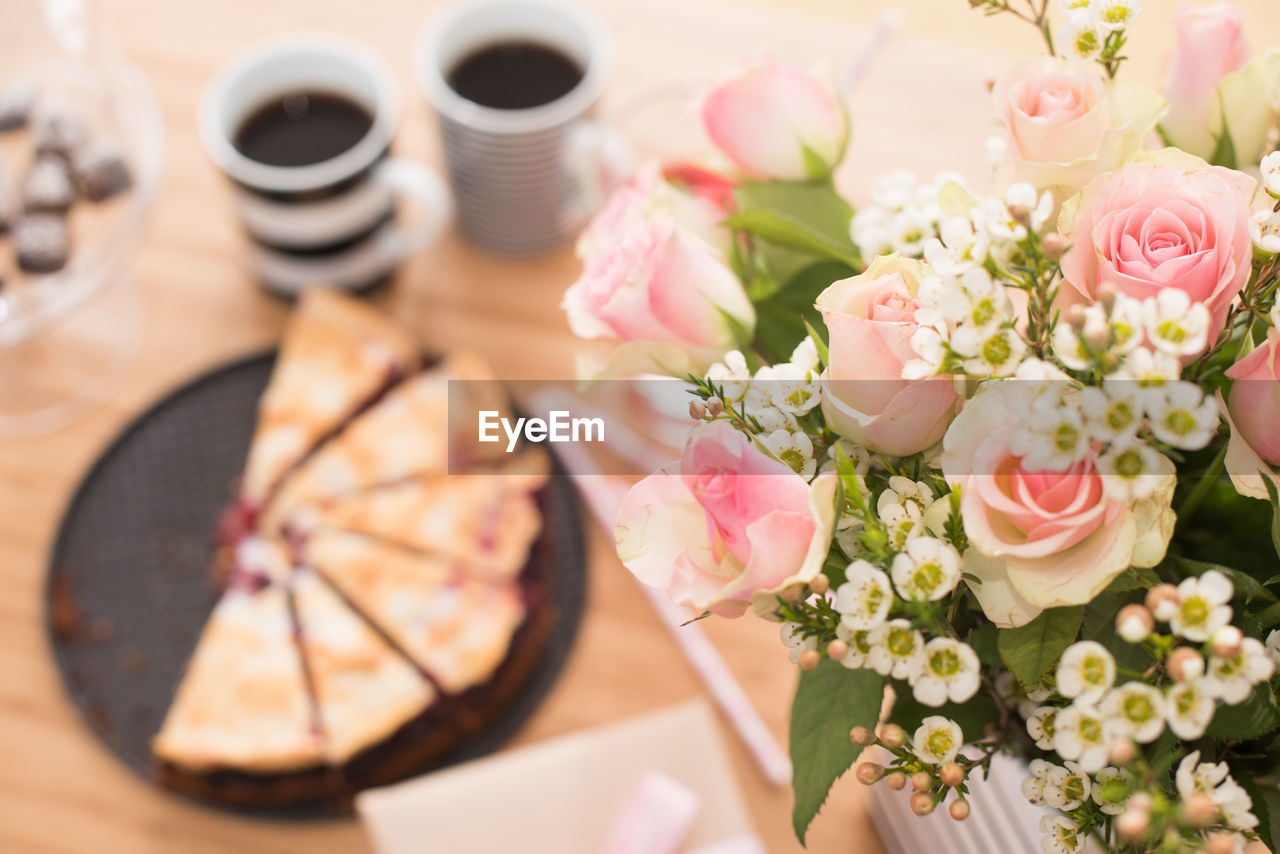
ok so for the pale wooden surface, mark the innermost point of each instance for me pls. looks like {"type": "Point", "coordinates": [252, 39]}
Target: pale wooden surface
{"type": "Point", "coordinates": [922, 106]}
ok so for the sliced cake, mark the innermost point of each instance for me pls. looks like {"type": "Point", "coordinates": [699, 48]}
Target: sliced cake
{"type": "Point", "coordinates": [456, 627]}
{"type": "Point", "coordinates": [408, 434]}
{"type": "Point", "coordinates": [337, 355]}
{"type": "Point", "coordinates": [364, 690]}
{"type": "Point", "coordinates": [486, 522]}
{"type": "Point", "coordinates": [243, 702]}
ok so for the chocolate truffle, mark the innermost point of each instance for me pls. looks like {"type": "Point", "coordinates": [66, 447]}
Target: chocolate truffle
{"type": "Point", "coordinates": [101, 172]}
{"type": "Point", "coordinates": [47, 186]}
{"type": "Point", "coordinates": [41, 242]}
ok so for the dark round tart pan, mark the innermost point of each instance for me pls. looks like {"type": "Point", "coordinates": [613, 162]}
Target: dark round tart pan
{"type": "Point", "coordinates": [129, 589]}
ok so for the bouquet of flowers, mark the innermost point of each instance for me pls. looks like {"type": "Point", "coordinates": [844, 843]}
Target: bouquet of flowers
{"type": "Point", "coordinates": [1004, 468]}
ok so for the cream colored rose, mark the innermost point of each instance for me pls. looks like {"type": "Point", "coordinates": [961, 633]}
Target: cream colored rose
{"type": "Point", "coordinates": [1068, 124]}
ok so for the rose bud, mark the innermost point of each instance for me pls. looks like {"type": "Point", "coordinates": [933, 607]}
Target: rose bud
{"type": "Point", "coordinates": [1162, 601]}
{"type": "Point", "coordinates": [921, 780]}
{"type": "Point", "coordinates": [951, 774]}
{"type": "Point", "coordinates": [893, 735]}
{"type": "Point", "coordinates": [861, 736]}
{"type": "Point", "coordinates": [1134, 623]}
{"type": "Point", "coordinates": [922, 803]}
{"type": "Point", "coordinates": [870, 318]}
{"type": "Point", "coordinates": [837, 649]}
{"type": "Point", "coordinates": [897, 781]}
{"type": "Point", "coordinates": [1185, 663]}
{"type": "Point", "coordinates": [869, 773]}
{"type": "Point", "coordinates": [959, 810]}
{"type": "Point", "coordinates": [1226, 642]}
{"type": "Point", "coordinates": [774, 121]}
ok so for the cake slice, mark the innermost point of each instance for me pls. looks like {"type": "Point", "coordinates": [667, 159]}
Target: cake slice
{"type": "Point", "coordinates": [364, 690]}
{"type": "Point", "coordinates": [485, 522]}
{"type": "Point", "coordinates": [243, 702]}
{"type": "Point", "coordinates": [456, 627]}
{"type": "Point", "coordinates": [413, 432]}
{"type": "Point", "coordinates": [337, 355]}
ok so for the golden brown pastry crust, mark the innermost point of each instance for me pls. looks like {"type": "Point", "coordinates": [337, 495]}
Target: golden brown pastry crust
{"type": "Point", "coordinates": [484, 521]}
{"type": "Point", "coordinates": [337, 354]}
{"type": "Point", "coordinates": [456, 627]}
{"type": "Point", "coordinates": [364, 690]}
{"type": "Point", "coordinates": [243, 702]}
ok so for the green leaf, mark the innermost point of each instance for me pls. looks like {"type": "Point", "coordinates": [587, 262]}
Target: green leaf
{"type": "Point", "coordinates": [786, 230]}
{"type": "Point", "coordinates": [1134, 579]}
{"type": "Point", "coordinates": [1224, 149]}
{"type": "Point", "coordinates": [1270, 617]}
{"type": "Point", "coordinates": [819, 343]}
{"type": "Point", "coordinates": [1254, 717]}
{"type": "Point", "coordinates": [1246, 585]}
{"type": "Point", "coordinates": [1029, 651]}
{"type": "Point", "coordinates": [973, 715]}
{"type": "Point", "coordinates": [1274, 495]}
{"type": "Point", "coordinates": [783, 320]}
{"type": "Point", "coordinates": [819, 213]}
{"type": "Point", "coordinates": [1266, 806]}
{"type": "Point", "coordinates": [814, 166]}
{"type": "Point", "coordinates": [983, 640]}
{"type": "Point", "coordinates": [830, 701]}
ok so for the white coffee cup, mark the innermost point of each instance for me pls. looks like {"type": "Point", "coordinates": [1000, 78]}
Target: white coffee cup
{"type": "Point", "coordinates": [331, 222]}
{"type": "Point", "coordinates": [525, 180]}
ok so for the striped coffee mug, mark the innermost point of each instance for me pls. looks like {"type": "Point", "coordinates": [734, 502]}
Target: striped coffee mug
{"type": "Point", "coordinates": [525, 181]}
{"type": "Point", "coordinates": [331, 222]}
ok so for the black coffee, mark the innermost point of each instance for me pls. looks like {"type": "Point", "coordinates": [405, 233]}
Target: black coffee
{"type": "Point", "coordinates": [514, 75]}
{"type": "Point", "coordinates": [302, 128]}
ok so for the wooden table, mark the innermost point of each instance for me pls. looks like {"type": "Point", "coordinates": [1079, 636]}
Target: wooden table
{"type": "Point", "coordinates": [922, 106]}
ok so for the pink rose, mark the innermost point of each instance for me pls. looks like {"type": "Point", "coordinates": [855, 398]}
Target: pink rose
{"type": "Point", "coordinates": [1210, 46]}
{"type": "Point", "coordinates": [1067, 123]}
{"type": "Point", "coordinates": [777, 122]}
{"type": "Point", "coordinates": [1170, 222]}
{"type": "Point", "coordinates": [726, 526]}
{"type": "Point", "coordinates": [1042, 539]}
{"type": "Point", "coordinates": [864, 398]}
{"type": "Point", "coordinates": [1254, 399]}
{"type": "Point", "coordinates": [655, 286]}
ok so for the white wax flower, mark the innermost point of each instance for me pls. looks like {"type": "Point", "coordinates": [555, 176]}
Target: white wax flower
{"type": "Point", "coordinates": [1189, 708]}
{"type": "Point", "coordinates": [1040, 726]}
{"type": "Point", "coordinates": [1270, 168]}
{"type": "Point", "coordinates": [1203, 606]}
{"type": "Point", "coordinates": [1086, 671]}
{"type": "Point", "coordinates": [1079, 734]}
{"type": "Point", "coordinates": [1182, 415]}
{"type": "Point", "coordinates": [937, 740]}
{"type": "Point", "coordinates": [928, 570]}
{"type": "Point", "coordinates": [1134, 710]}
{"type": "Point", "coordinates": [950, 672]}
{"type": "Point", "coordinates": [793, 449]}
{"type": "Point", "coordinates": [1233, 679]}
{"type": "Point", "coordinates": [897, 650]}
{"type": "Point", "coordinates": [863, 601]}
{"type": "Point", "coordinates": [1174, 324]}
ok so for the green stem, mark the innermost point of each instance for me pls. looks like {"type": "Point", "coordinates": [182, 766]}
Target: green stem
{"type": "Point", "coordinates": [1189, 505]}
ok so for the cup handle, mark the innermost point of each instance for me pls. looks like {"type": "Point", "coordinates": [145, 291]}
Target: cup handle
{"type": "Point", "coordinates": [600, 158]}
{"type": "Point", "coordinates": [423, 187]}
